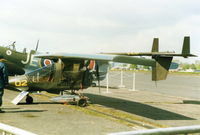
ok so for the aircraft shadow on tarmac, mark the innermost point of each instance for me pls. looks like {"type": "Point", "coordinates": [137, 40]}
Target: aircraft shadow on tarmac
{"type": "Point", "coordinates": [136, 108]}
{"type": "Point", "coordinates": [9, 108]}
{"type": "Point", "coordinates": [191, 102]}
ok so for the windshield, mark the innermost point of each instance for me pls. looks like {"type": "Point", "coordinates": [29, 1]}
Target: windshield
{"type": "Point", "coordinates": [43, 74]}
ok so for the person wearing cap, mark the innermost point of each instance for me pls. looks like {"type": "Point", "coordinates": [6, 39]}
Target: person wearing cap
{"type": "Point", "coordinates": [3, 80]}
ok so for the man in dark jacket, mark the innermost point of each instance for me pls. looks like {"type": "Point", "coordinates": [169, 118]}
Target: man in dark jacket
{"type": "Point", "coordinates": [3, 79]}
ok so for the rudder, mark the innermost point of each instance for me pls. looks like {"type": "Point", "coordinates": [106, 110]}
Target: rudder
{"type": "Point", "coordinates": [186, 47]}
{"type": "Point", "coordinates": [155, 47]}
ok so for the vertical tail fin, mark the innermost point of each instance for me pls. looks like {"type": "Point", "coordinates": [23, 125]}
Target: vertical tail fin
{"type": "Point", "coordinates": [186, 47]}
{"type": "Point", "coordinates": [155, 47]}
{"type": "Point", "coordinates": [162, 64]}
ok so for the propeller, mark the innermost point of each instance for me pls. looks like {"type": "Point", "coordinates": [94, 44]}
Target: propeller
{"type": "Point", "coordinates": [37, 45]}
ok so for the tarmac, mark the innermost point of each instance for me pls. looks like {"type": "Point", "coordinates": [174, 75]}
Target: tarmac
{"type": "Point", "coordinates": [116, 111]}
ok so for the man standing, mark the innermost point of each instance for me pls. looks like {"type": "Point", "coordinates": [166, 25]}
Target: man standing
{"type": "Point", "coordinates": [3, 79]}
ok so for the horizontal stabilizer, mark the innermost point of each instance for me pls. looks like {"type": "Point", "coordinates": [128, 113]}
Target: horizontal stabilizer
{"type": "Point", "coordinates": [155, 50]}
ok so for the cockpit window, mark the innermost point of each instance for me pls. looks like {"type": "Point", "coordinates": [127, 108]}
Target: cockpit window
{"type": "Point", "coordinates": [43, 74]}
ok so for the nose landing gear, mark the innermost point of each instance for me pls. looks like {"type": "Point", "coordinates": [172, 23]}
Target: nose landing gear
{"type": "Point", "coordinates": [29, 99]}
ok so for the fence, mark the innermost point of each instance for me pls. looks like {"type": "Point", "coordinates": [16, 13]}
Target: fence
{"type": "Point", "coordinates": [121, 79]}
{"type": "Point", "coordinates": [163, 131]}
{"type": "Point", "coordinates": [10, 130]}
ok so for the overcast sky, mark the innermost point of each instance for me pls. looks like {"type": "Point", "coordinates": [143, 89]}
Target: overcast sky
{"type": "Point", "coordinates": [92, 26]}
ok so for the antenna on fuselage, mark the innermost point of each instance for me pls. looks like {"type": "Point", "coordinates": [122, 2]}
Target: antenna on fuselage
{"type": "Point", "coordinates": [12, 46]}
{"type": "Point", "coordinates": [37, 45]}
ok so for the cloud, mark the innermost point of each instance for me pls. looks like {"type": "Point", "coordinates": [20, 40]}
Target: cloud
{"type": "Point", "coordinates": [100, 25]}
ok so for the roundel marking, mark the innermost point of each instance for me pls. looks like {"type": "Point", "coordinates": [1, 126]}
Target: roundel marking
{"type": "Point", "coordinates": [47, 62]}
{"type": "Point", "coordinates": [8, 52]}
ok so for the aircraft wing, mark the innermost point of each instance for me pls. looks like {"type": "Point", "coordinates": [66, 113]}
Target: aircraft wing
{"type": "Point", "coordinates": [159, 66]}
{"type": "Point", "coordinates": [14, 69]}
{"type": "Point", "coordinates": [160, 61]}
{"type": "Point", "coordinates": [75, 56]}
{"type": "Point", "coordinates": [101, 57]}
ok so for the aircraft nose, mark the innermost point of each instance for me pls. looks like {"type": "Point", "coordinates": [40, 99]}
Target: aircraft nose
{"type": "Point", "coordinates": [18, 81]}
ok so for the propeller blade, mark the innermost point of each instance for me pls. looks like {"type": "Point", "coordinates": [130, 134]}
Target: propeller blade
{"type": "Point", "coordinates": [37, 45]}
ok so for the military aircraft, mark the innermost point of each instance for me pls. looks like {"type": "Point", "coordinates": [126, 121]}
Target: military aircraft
{"type": "Point", "coordinates": [56, 72]}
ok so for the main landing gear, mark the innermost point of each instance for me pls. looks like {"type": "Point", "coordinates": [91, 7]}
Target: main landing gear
{"type": "Point", "coordinates": [29, 99]}
{"type": "Point", "coordinates": [83, 100]}
{"type": "Point", "coordinates": [74, 97]}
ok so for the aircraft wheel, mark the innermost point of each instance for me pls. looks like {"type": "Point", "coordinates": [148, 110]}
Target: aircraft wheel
{"type": "Point", "coordinates": [29, 100]}
{"type": "Point", "coordinates": [82, 102]}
